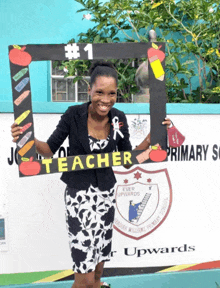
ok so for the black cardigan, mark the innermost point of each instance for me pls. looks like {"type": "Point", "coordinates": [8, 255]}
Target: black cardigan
{"type": "Point", "coordinates": [73, 123]}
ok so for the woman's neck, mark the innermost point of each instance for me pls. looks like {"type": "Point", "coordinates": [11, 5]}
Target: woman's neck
{"type": "Point", "coordinates": [98, 127]}
{"type": "Point", "coordinates": [94, 116]}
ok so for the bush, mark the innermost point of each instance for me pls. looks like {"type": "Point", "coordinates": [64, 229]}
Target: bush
{"type": "Point", "coordinates": [189, 27]}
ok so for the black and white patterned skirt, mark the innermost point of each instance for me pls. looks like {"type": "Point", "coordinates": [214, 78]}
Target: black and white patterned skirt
{"type": "Point", "coordinates": [89, 218]}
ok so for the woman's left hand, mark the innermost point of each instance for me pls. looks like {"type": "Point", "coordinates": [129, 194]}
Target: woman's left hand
{"type": "Point", "coordinates": [167, 122]}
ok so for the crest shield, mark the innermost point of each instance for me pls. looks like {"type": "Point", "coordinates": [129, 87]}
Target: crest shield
{"type": "Point", "coordinates": [143, 201]}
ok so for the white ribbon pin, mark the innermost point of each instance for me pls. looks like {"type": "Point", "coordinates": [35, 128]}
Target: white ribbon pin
{"type": "Point", "coordinates": [115, 123]}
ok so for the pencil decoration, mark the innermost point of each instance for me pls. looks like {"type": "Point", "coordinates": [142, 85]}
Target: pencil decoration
{"type": "Point", "coordinates": [21, 97]}
{"type": "Point", "coordinates": [155, 57]}
{"type": "Point", "coordinates": [22, 116]}
{"type": "Point", "coordinates": [22, 84]}
{"type": "Point", "coordinates": [20, 74]}
{"type": "Point", "coordinates": [25, 127]}
{"type": "Point", "coordinates": [26, 148]}
{"type": "Point", "coordinates": [24, 139]}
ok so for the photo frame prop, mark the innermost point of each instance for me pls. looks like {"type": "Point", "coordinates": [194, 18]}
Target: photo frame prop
{"type": "Point", "coordinates": [21, 56]}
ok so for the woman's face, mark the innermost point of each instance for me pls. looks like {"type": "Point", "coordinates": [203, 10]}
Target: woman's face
{"type": "Point", "coordinates": [103, 95]}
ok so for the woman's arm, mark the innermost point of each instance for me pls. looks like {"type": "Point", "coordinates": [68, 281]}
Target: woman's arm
{"type": "Point", "coordinates": [47, 149]}
{"type": "Point", "coordinates": [41, 147]}
{"type": "Point", "coordinates": [145, 144]}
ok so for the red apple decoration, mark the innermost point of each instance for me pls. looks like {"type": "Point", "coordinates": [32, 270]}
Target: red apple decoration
{"type": "Point", "coordinates": [153, 51]}
{"type": "Point", "coordinates": [158, 155]}
{"type": "Point", "coordinates": [20, 57]}
{"type": "Point", "coordinates": [30, 167]}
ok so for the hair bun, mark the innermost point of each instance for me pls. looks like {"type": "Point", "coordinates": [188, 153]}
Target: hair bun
{"type": "Point", "coordinates": [102, 68]}
{"type": "Point", "coordinates": [100, 63]}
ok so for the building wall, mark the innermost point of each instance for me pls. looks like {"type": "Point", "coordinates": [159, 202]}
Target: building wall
{"type": "Point", "coordinates": [36, 22]}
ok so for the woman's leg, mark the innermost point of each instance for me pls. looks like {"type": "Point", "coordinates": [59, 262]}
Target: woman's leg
{"type": "Point", "coordinates": [85, 280]}
{"type": "Point", "coordinates": [98, 274]}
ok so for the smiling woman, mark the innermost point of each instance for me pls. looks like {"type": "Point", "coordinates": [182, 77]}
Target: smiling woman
{"type": "Point", "coordinates": [103, 92]}
{"type": "Point", "coordinates": [95, 122]}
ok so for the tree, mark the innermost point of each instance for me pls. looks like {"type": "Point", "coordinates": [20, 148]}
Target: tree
{"type": "Point", "coordinates": [189, 27]}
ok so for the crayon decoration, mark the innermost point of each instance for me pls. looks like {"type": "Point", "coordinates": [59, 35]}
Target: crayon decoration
{"type": "Point", "coordinates": [22, 84]}
{"type": "Point", "coordinates": [26, 148]}
{"type": "Point", "coordinates": [25, 127]}
{"type": "Point", "coordinates": [28, 167]}
{"type": "Point", "coordinates": [156, 56]}
{"type": "Point", "coordinates": [22, 116]}
{"type": "Point", "coordinates": [24, 139]}
{"type": "Point", "coordinates": [22, 97]}
{"type": "Point", "coordinates": [18, 56]}
{"type": "Point", "coordinates": [20, 74]}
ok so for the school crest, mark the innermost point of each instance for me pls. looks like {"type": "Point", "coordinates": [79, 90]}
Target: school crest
{"type": "Point", "coordinates": [143, 201]}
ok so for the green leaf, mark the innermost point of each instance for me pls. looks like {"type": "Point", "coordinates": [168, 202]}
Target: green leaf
{"type": "Point", "coordinates": [190, 99]}
{"type": "Point", "coordinates": [77, 78]}
{"type": "Point", "coordinates": [81, 10]}
{"type": "Point", "coordinates": [109, 40]}
{"type": "Point", "coordinates": [177, 62]}
{"type": "Point", "coordinates": [97, 39]}
{"type": "Point", "coordinates": [188, 62]}
{"type": "Point", "coordinates": [99, 27]}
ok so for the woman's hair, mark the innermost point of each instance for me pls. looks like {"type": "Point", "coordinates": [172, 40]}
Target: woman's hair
{"type": "Point", "coordinates": [102, 68]}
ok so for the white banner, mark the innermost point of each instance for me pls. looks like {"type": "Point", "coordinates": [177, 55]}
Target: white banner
{"type": "Point", "coordinates": [166, 214]}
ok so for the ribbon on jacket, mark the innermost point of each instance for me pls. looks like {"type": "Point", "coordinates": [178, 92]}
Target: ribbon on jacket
{"type": "Point", "coordinates": [116, 127]}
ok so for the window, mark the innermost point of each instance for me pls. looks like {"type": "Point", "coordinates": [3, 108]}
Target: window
{"type": "Point", "coordinates": [63, 89]}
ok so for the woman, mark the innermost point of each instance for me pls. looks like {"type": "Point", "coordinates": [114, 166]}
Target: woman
{"type": "Point", "coordinates": [92, 127]}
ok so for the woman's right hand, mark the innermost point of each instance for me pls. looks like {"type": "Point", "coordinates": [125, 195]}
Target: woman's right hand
{"type": "Point", "coordinates": [15, 131]}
